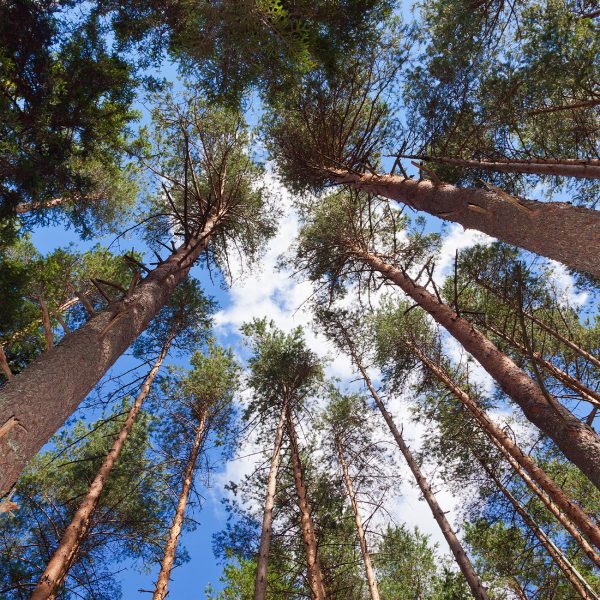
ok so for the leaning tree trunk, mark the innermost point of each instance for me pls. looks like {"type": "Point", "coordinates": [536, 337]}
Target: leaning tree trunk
{"type": "Point", "coordinates": [75, 533]}
{"type": "Point", "coordinates": [566, 167]}
{"type": "Point", "coordinates": [27, 207]}
{"type": "Point", "coordinates": [46, 393]}
{"type": "Point", "coordinates": [578, 441]}
{"type": "Point", "coordinates": [575, 232]}
{"type": "Point", "coordinates": [573, 576]}
{"type": "Point", "coordinates": [4, 366]}
{"type": "Point", "coordinates": [48, 333]}
{"type": "Point", "coordinates": [260, 583]}
{"type": "Point", "coordinates": [313, 565]}
{"type": "Point", "coordinates": [370, 574]}
{"type": "Point", "coordinates": [162, 583]}
{"type": "Point", "coordinates": [553, 496]}
{"type": "Point", "coordinates": [477, 588]}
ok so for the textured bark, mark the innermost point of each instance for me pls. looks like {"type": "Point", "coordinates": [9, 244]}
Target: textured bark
{"type": "Point", "coordinates": [578, 441]}
{"type": "Point", "coordinates": [585, 392]}
{"type": "Point", "coordinates": [549, 492]}
{"type": "Point", "coordinates": [360, 532]}
{"type": "Point", "coordinates": [47, 392]}
{"type": "Point", "coordinates": [477, 589]}
{"type": "Point", "coordinates": [260, 583]}
{"type": "Point", "coordinates": [315, 575]}
{"type": "Point", "coordinates": [162, 583]}
{"type": "Point", "coordinates": [557, 230]}
{"type": "Point", "coordinates": [572, 575]}
{"type": "Point", "coordinates": [48, 333]}
{"type": "Point", "coordinates": [4, 366]}
{"type": "Point", "coordinates": [75, 533]}
{"type": "Point", "coordinates": [582, 169]}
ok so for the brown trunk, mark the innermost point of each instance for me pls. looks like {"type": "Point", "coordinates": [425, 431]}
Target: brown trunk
{"type": "Point", "coordinates": [315, 575]}
{"type": "Point", "coordinates": [477, 588]}
{"type": "Point", "coordinates": [575, 239]}
{"type": "Point", "coordinates": [162, 583]}
{"type": "Point", "coordinates": [562, 167]}
{"type": "Point", "coordinates": [48, 333]}
{"type": "Point", "coordinates": [4, 366]}
{"type": "Point", "coordinates": [260, 583]}
{"type": "Point", "coordinates": [360, 532]}
{"type": "Point", "coordinates": [62, 323]}
{"type": "Point", "coordinates": [574, 105]}
{"type": "Point", "coordinates": [75, 533]}
{"type": "Point", "coordinates": [561, 338]}
{"type": "Point", "coordinates": [586, 393]}
{"type": "Point", "coordinates": [47, 392]}
{"type": "Point", "coordinates": [573, 576]}
{"type": "Point", "coordinates": [556, 499]}
{"type": "Point", "coordinates": [26, 207]}
{"type": "Point", "coordinates": [578, 441]}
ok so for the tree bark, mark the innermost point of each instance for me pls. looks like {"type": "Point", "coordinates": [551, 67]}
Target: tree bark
{"type": "Point", "coordinates": [552, 496]}
{"type": "Point", "coordinates": [4, 366]}
{"type": "Point", "coordinates": [578, 441]}
{"type": "Point", "coordinates": [48, 333]}
{"type": "Point", "coordinates": [64, 556]}
{"type": "Point", "coordinates": [477, 589]}
{"type": "Point", "coordinates": [27, 207]}
{"type": "Point", "coordinates": [572, 575]}
{"type": "Point", "coordinates": [364, 550]}
{"type": "Point", "coordinates": [162, 583]}
{"type": "Point", "coordinates": [315, 575]}
{"type": "Point", "coordinates": [574, 105]}
{"type": "Point", "coordinates": [575, 232]}
{"type": "Point", "coordinates": [581, 169]}
{"type": "Point", "coordinates": [45, 394]}
{"type": "Point", "coordinates": [260, 583]}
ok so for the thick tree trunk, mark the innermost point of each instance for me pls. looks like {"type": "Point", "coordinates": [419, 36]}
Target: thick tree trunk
{"type": "Point", "coordinates": [45, 394]}
{"type": "Point", "coordinates": [477, 588]}
{"type": "Point", "coordinates": [4, 366]}
{"type": "Point", "coordinates": [48, 333]}
{"type": "Point", "coordinates": [575, 238]}
{"type": "Point", "coordinates": [313, 565]}
{"type": "Point", "coordinates": [64, 556]}
{"type": "Point", "coordinates": [572, 575]}
{"type": "Point", "coordinates": [582, 169]}
{"type": "Point", "coordinates": [162, 583]}
{"type": "Point", "coordinates": [360, 532]}
{"type": "Point", "coordinates": [260, 583]}
{"type": "Point", "coordinates": [578, 441]}
{"type": "Point", "coordinates": [556, 499]}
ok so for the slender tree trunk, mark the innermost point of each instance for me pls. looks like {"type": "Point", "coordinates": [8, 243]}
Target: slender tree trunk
{"type": "Point", "coordinates": [75, 533]}
{"type": "Point", "coordinates": [4, 366]}
{"type": "Point", "coordinates": [572, 575]}
{"type": "Point", "coordinates": [578, 441]}
{"type": "Point", "coordinates": [62, 323]}
{"type": "Point", "coordinates": [162, 583]}
{"type": "Point", "coordinates": [574, 105]}
{"type": "Point", "coordinates": [585, 392]}
{"type": "Point", "coordinates": [580, 168]}
{"type": "Point", "coordinates": [47, 392]}
{"type": "Point", "coordinates": [27, 207]}
{"type": "Point", "coordinates": [48, 333]}
{"type": "Point", "coordinates": [477, 588]}
{"type": "Point", "coordinates": [556, 499]}
{"type": "Point", "coordinates": [260, 583]}
{"type": "Point", "coordinates": [575, 239]}
{"type": "Point", "coordinates": [315, 575]}
{"type": "Point", "coordinates": [370, 574]}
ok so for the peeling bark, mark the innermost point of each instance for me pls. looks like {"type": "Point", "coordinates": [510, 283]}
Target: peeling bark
{"type": "Point", "coordinates": [64, 556]}
{"type": "Point", "coordinates": [557, 230]}
{"type": "Point", "coordinates": [47, 392]}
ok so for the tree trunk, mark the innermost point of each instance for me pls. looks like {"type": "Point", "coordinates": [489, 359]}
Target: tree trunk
{"type": "Point", "coordinates": [573, 576]}
{"type": "Point", "coordinates": [556, 499]}
{"type": "Point", "coordinates": [575, 239]}
{"type": "Point", "coordinates": [364, 550]}
{"type": "Point", "coordinates": [578, 441]}
{"type": "Point", "coordinates": [574, 105]}
{"type": "Point", "coordinates": [562, 167]}
{"type": "Point", "coordinates": [260, 583]}
{"type": "Point", "coordinates": [48, 333]}
{"type": "Point", "coordinates": [315, 575]}
{"type": "Point", "coordinates": [4, 366]}
{"type": "Point", "coordinates": [27, 207]}
{"type": "Point", "coordinates": [63, 557]}
{"type": "Point", "coordinates": [47, 392]}
{"type": "Point", "coordinates": [477, 589]}
{"type": "Point", "coordinates": [160, 592]}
